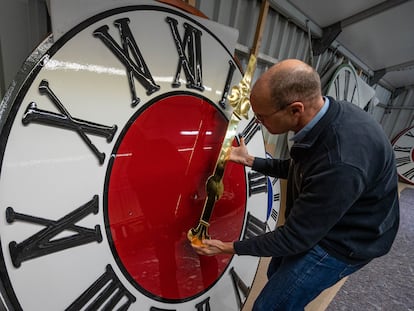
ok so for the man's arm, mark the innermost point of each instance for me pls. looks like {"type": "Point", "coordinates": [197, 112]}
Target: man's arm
{"type": "Point", "coordinates": [270, 167]}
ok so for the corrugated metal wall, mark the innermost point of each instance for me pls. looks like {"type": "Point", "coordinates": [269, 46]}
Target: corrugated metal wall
{"type": "Point", "coordinates": [282, 39]}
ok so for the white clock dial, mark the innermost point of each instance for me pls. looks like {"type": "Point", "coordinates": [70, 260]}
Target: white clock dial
{"type": "Point", "coordinates": [403, 146]}
{"type": "Point", "coordinates": [344, 85]}
{"type": "Point", "coordinates": [105, 151]}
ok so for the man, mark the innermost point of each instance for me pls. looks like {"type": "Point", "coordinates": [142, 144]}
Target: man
{"type": "Point", "coordinates": [342, 205]}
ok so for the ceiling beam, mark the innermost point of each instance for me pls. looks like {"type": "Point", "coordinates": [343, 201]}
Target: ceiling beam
{"type": "Point", "coordinates": [329, 35]}
{"type": "Point", "coordinates": [331, 32]}
{"type": "Point", "coordinates": [402, 66]}
{"type": "Point", "coordinates": [380, 73]}
{"type": "Point", "coordinates": [287, 9]}
{"type": "Point", "coordinates": [376, 9]}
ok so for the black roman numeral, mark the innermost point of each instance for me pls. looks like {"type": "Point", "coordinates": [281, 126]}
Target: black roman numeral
{"type": "Point", "coordinates": [251, 129]}
{"type": "Point", "coordinates": [43, 243]}
{"type": "Point", "coordinates": [409, 134]}
{"type": "Point", "coordinates": [66, 121]}
{"type": "Point", "coordinates": [402, 149]}
{"type": "Point", "coordinates": [190, 62]}
{"type": "Point", "coordinates": [240, 288]}
{"type": "Point", "coordinates": [226, 90]}
{"type": "Point", "coordinates": [254, 227]}
{"type": "Point", "coordinates": [257, 183]}
{"type": "Point", "coordinates": [104, 294]}
{"type": "Point", "coordinates": [274, 214]}
{"type": "Point", "coordinates": [135, 65]}
{"type": "Point", "coordinates": [158, 309]}
{"type": "Point", "coordinates": [203, 305]}
{"type": "Point", "coordinates": [276, 196]}
{"type": "Point", "coordinates": [274, 211]}
{"type": "Point", "coordinates": [402, 161]}
{"type": "Point", "coordinates": [409, 174]}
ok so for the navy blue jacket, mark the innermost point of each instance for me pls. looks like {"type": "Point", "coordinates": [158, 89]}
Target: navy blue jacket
{"type": "Point", "coordinates": [342, 190]}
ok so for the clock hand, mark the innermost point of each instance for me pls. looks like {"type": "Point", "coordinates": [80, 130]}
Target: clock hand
{"type": "Point", "coordinates": [239, 100]}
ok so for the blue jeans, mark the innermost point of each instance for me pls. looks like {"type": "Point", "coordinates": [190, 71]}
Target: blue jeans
{"type": "Point", "coordinates": [296, 280]}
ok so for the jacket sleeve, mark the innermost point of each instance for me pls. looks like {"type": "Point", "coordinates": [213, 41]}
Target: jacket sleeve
{"type": "Point", "coordinates": [272, 167]}
{"type": "Point", "coordinates": [325, 197]}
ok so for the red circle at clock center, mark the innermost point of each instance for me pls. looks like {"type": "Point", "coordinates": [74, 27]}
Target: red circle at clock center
{"type": "Point", "coordinates": [156, 193]}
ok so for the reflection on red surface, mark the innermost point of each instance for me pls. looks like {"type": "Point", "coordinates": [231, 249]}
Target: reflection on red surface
{"type": "Point", "coordinates": [157, 191]}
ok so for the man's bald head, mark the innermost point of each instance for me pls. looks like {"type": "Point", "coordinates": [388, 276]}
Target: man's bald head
{"type": "Point", "coordinates": [289, 81]}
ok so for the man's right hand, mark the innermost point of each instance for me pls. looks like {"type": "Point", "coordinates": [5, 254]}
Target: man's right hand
{"type": "Point", "coordinates": [240, 154]}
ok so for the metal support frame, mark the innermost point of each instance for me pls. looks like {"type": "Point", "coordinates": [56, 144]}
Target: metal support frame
{"type": "Point", "coordinates": [402, 66]}
{"type": "Point", "coordinates": [397, 92]}
{"type": "Point", "coordinates": [330, 33]}
{"type": "Point", "coordinates": [376, 9]}
{"type": "Point", "coordinates": [326, 36]}
{"type": "Point", "coordinates": [378, 74]}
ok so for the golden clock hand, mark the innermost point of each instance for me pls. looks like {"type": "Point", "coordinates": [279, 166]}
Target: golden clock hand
{"type": "Point", "coordinates": [239, 100]}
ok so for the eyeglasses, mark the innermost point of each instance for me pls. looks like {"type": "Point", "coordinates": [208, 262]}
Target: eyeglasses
{"type": "Point", "coordinates": [259, 118]}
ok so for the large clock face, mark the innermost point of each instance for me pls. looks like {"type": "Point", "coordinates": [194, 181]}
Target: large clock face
{"type": "Point", "coordinates": [403, 146]}
{"type": "Point", "coordinates": [344, 85]}
{"type": "Point", "coordinates": [105, 152]}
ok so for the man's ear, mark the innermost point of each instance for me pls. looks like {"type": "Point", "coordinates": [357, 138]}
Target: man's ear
{"type": "Point", "coordinates": [296, 107]}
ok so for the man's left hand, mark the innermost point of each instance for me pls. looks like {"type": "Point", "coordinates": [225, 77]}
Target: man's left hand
{"type": "Point", "coordinates": [214, 247]}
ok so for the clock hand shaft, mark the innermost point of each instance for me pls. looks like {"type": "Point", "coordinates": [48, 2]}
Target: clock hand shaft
{"type": "Point", "coordinates": [214, 184]}
{"type": "Point", "coordinates": [239, 100]}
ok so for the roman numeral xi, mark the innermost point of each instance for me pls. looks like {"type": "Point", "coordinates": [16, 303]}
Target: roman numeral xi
{"type": "Point", "coordinates": [188, 48]}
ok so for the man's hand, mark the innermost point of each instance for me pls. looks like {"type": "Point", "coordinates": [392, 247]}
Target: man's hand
{"type": "Point", "coordinates": [214, 247]}
{"type": "Point", "coordinates": [240, 154]}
